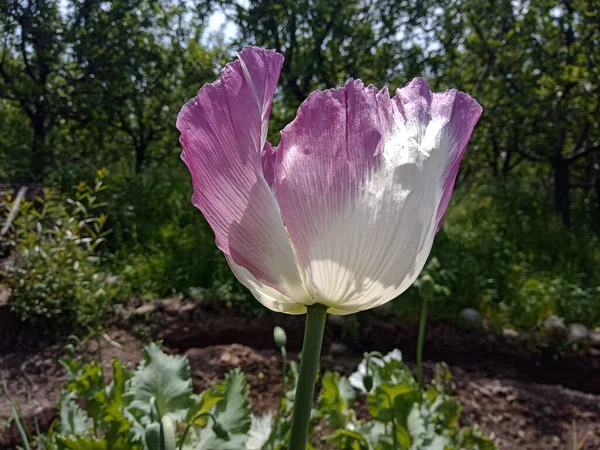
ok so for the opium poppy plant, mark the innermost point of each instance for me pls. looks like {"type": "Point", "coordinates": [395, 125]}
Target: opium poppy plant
{"type": "Point", "coordinates": [341, 216]}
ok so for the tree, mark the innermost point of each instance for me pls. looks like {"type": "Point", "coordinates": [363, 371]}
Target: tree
{"type": "Point", "coordinates": [326, 42]}
{"type": "Point", "coordinates": [30, 69]}
{"type": "Point", "coordinates": [94, 77]}
{"type": "Point", "coordinates": [534, 67]}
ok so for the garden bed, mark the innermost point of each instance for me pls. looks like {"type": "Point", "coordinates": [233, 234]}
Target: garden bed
{"type": "Point", "coordinates": [526, 397]}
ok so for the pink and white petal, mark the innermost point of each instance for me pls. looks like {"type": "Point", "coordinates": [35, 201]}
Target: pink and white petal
{"type": "Point", "coordinates": [464, 113]}
{"type": "Point", "coordinates": [268, 163]}
{"type": "Point", "coordinates": [442, 120]}
{"type": "Point", "coordinates": [359, 178]}
{"type": "Point", "coordinates": [223, 133]}
{"type": "Point", "coordinates": [271, 298]}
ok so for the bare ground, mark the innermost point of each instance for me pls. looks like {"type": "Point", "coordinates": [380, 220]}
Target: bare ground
{"type": "Point", "coordinates": [528, 400]}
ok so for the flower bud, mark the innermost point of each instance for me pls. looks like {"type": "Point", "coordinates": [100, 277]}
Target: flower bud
{"type": "Point", "coordinates": [368, 383]}
{"type": "Point", "coordinates": [70, 350]}
{"type": "Point", "coordinates": [426, 287]}
{"type": "Point", "coordinates": [220, 432]}
{"type": "Point", "coordinates": [280, 337]}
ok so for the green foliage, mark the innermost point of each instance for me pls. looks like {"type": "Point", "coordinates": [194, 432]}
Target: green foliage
{"type": "Point", "coordinates": [516, 274]}
{"type": "Point", "coordinates": [231, 415]}
{"type": "Point", "coordinates": [502, 251]}
{"type": "Point", "coordinates": [73, 420]}
{"type": "Point", "coordinates": [57, 277]}
{"type": "Point", "coordinates": [161, 386]}
{"type": "Point", "coordinates": [163, 246]}
{"type": "Point", "coordinates": [336, 399]}
{"type": "Point", "coordinates": [534, 68]}
{"type": "Point", "coordinates": [98, 84]}
{"type": "Point", "coordinates": [125, 414]}
{"type": "Point", "coordinates": [403, 415]}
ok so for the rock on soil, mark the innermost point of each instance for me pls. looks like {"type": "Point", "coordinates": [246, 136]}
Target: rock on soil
{"type": "Point", "coordinates": [555, 326]}
{"type": "Point", "coordinates": [471, 317]}
{"type": "Point", "coordinates": [578, 332]}
{"type": "Point", "coordinates": [595, 338]}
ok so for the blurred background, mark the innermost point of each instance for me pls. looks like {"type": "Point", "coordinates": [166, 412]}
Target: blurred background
{"type": "Point", "coordinates": [89, 93]}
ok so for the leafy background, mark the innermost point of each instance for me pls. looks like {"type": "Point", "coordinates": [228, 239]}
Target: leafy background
{"type": "Point", "coordinates": [91, 85]}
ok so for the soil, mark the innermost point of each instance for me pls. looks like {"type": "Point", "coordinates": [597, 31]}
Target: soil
{"type": "Point", "coordinates": [527, 397]}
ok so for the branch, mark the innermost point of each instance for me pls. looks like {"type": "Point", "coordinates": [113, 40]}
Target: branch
{"type": "Point", "coordinates": [531, 156]}
{"type": "Point", "coordinates": [3, 72]}
{"type": "Point", "coordinates": [8, 96]}
{"type": "Point", "coordinates": [13, 210]}
{"type": "Point", "coordinates": [22, 47]}
{"type": "Point", "coordinates": [492, 54]}
{"type": "Point", "coordinates": [517, 162]}
{"type": "Point", "coordinates": [582, 152]}
{"type": "Point", "coordinates": [583, 131]}
{"type": "Point", "coordinates": [559, 145]}
{"type": "Point", "coordinates": [4, 49]}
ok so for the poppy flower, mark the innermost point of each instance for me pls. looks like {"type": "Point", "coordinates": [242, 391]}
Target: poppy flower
{"type": "Point", "coordinates": [344, 211]}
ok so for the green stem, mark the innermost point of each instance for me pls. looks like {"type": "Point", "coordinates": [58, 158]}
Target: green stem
{"type": "Point", "coordinates": [189, 425]}
{"type": "Point", "coordinates": [167, 434]}
{"type": "Point", "coordinates": [276, 422]}
{"type": "Point", "coordinates": [305, 389]}
{"type": "Point", "coordinates": [394, 429]}
{"type": "Point", "coordinates": [420, 342]}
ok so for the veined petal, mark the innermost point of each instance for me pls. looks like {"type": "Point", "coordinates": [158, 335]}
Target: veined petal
{"type": "Point", "coordinates": [268, 163]}
{"type": "Point", "coordinates": [361, 181]}
{"type": "Point", "coordinates": [272, 298]}
{"type": "Point", "coordinates": [223, 133]}
{"type": "Point", "coordinates": [454, 113]}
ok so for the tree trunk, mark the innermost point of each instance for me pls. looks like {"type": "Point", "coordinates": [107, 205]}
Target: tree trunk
{"type": "Point", "coordinates": [562, 199]}
{"type": "Point", "coordinates": [38, 150]}
{"type": "Point", "coordinates": [597, 190]}
{"type": "Point", "coordinates": [140, 154]}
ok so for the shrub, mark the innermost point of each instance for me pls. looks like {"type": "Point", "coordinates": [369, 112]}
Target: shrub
{"type": "Point", "coordinates": [161, 244]}
{"type": "Point", "coordinates": [501, 250]}
{"type": "Point", "coordinates": [56, 277]}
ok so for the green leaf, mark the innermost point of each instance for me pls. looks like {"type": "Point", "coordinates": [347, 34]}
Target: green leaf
{"type": "Point", "coordinates": [373, 432]}
{"type": "Point", "coordinates": [335, 400]}
{"type": "Point", "coordinates": [204, 403]}
{"type": "Point", "coordinates": [73, 420]}
{"type": "Point", "coordinates": [89, 384]}
{"type": "Point", "coordinates": [348, 440]}
{"type": "Point", "coordinates": [393, 401]}
{"type": "Point", "coordinates": [446, 410]}
{"type": "Point", "coordinates": [80, 443]}
{"type": "Point", "coordinates": [472, 439]}
{"type": "Point", "coordinates": [423, 433]}
{"type": "Point", "coordinates": [116, 425]}
{"type": "Point", "coordinates": [72, 367]}
{"type": "Point", "coordinates": [260, 432]}
{"type": "Point", "coordinates": [116, 391]}
{"type": "Point", "coordinates": [232, 412]}
{"type": "Point", "coordinates": [161, 385]}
